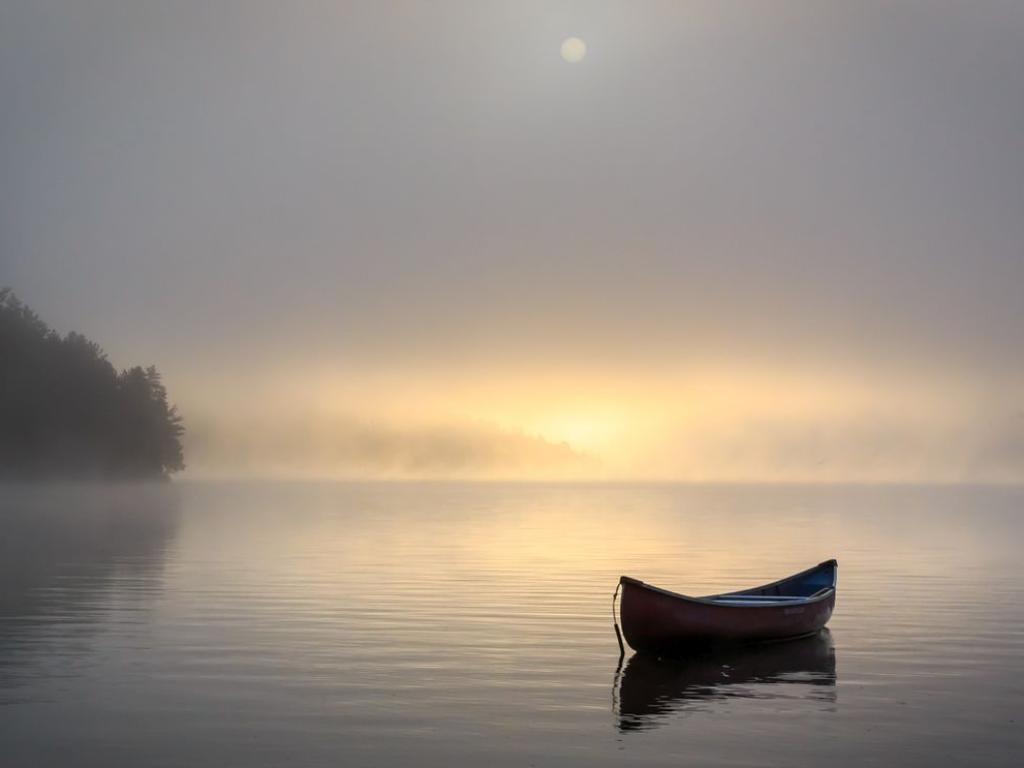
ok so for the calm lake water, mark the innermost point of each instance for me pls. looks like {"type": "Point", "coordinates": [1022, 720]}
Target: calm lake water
{"type": "Point", "coordinates": [438, 625]}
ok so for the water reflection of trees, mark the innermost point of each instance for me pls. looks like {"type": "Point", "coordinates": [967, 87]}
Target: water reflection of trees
{"type": "Point", "coordinates": [650, 689]}
{"type": "Point", "coordinates": [65, 551]}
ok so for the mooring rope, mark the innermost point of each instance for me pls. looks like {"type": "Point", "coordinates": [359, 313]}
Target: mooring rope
{"type": "Point", "coordinates": [615, 623]}
{"type": "Point", "coordinates": [622, 654]}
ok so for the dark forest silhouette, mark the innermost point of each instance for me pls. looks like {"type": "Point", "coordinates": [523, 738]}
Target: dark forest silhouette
{"type": "Point", "coordinates": [65, 411]}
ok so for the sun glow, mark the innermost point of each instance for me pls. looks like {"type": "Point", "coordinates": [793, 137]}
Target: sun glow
{"type": "Point", "coordinates": [591, 432]}
{"type": "Point", "coordinates": [709, 423]}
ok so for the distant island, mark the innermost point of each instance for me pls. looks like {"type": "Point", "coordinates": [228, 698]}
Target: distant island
{"type": "Point", "coordinates": [66, 412]}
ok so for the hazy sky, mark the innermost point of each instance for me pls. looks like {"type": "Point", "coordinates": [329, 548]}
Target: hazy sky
{"type": "Point", "coordinates": [738, 240]}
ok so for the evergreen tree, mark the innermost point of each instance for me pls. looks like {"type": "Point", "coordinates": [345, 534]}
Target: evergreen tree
{"type": "Point", "coordinates": [66, 411]}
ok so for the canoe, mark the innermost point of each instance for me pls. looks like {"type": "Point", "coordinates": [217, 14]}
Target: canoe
{"type": "Point", "coordinates": [658, 621]}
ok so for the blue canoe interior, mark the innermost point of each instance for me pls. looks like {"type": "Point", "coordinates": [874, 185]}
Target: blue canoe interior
{"type": "Point", "coordinates": [798, 588]}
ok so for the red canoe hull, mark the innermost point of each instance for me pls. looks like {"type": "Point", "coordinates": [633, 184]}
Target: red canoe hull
{"type": "Point", "coordinates": [657, 621]}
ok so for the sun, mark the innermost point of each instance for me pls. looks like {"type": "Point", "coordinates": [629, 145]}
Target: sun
{"type": "Point", "coordinates": [573, 49]}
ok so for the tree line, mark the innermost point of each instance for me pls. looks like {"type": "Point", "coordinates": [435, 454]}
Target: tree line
{"type": "Point", "coordinates": [65, 411]}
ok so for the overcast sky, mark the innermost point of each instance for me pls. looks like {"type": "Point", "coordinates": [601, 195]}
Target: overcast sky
{"type": "Point", "coordinates": [737, 240]}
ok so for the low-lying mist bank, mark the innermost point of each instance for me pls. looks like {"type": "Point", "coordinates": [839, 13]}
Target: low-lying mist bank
{"type": "Point", "coordinates": [295, 446]}
{"type": "Point", "coordinates": [850, 450]}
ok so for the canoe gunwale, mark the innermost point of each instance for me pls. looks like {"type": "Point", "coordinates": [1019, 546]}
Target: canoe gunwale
{"type": "Point", "coordinates": [823, 594]}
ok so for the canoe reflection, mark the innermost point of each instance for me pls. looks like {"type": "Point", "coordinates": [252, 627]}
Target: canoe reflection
{"type": "Point", "coordinates": [651, 688]}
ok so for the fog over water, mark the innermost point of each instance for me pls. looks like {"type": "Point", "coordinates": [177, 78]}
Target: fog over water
{"type": "Point", "coordinates": [470, 308]}
{"type": "Point", "coordinates": [736, 241]}
{"type": "Point", "coordinates": [377, 624]}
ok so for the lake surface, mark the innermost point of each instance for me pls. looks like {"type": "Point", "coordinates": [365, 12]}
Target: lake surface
{"type": "Point", "coordinates": [254, 625]}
